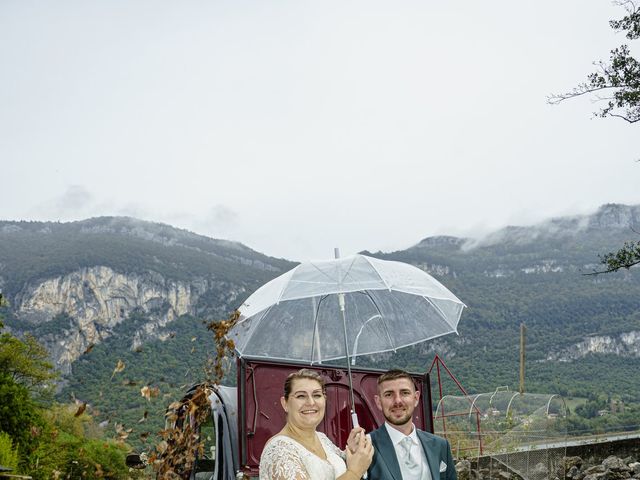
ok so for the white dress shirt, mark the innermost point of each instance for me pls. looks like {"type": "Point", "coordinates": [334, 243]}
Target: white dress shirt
{"type": "Point", "coordinates": [417, 454]}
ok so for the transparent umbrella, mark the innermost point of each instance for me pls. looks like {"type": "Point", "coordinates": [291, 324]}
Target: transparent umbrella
{"type": "Point", "coordinates": [343, 308]}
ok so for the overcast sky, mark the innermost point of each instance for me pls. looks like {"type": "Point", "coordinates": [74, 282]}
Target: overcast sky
{"type": "Point", "coordinates": [297, 126]}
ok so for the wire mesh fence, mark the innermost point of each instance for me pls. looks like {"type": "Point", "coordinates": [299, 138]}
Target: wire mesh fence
{"type": "Point", "coordinates": [505, 434]}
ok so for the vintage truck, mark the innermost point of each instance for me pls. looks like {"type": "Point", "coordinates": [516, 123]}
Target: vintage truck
{"type": "Point", "coordinates": [243, 418]}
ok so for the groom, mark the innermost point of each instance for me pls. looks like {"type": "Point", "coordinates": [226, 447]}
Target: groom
{"type": "Point", "coordinates": [402, 452]}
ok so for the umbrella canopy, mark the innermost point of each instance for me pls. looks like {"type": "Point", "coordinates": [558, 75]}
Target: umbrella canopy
{"type": "Point", "coordinates": [386, 305]}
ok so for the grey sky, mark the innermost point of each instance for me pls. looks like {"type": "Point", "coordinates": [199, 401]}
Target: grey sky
{"type": "Point", "coordinates": [297, 126]}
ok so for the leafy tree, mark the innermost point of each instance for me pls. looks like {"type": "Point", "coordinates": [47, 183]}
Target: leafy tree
{"type": "Point", "coordinates": [8, 454]}
{"type": "Point", "coordinates": [23, 366]}
{"type": "Point", "coordinates": [72, 445]}
{"type": "Point", "coordinates": [55, 442]}
{"type": "Point", "coordinates": [616, 82]}
{"type": "Point", "coordinates": [19, 416]}
{"type": "Point", "coordinates": [590, 409]}
{"type": "Point", "coordinates": [26, 361]}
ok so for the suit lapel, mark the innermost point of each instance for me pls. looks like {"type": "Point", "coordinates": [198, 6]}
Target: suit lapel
{"type": "Point", "coordinates": [433, 457]}
{"type": "Point", "coordinates": [388, 453]}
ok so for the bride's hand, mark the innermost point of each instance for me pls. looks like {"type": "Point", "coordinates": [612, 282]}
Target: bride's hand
{"type": "Point", "coordinates": [358, 462]}
{"type": "Point", "coordinates": [354, 438]}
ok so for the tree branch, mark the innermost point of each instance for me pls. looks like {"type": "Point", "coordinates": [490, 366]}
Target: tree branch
{"type": "Point", "coordinates": [584, 89]}
{"type": "Point", "coordinates": [627, 257]}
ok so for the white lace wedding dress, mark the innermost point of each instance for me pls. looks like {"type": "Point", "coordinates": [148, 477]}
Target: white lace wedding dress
{"type": "Point", "coordinates": [285, 459]}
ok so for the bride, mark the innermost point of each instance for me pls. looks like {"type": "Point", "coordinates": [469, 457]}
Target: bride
{"type": "Point", "coordinates": [298, 451]}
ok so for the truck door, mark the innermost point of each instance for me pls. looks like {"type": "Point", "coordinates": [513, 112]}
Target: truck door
{"type": "Point", "coordinates": [220, 437]}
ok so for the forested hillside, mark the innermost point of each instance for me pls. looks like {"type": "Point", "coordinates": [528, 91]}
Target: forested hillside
{"type": "Point", "coordinates": [31, 251]}
{"type": "Point", "coordinates": [109, 290]}
{"type": "Point", "coordinates": [112, 290]}
{"type": "Point", "coordinates": [583, 331]}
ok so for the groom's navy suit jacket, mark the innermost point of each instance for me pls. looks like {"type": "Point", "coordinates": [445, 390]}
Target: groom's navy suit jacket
{"type": "Point", "coordinates": [385, 464]}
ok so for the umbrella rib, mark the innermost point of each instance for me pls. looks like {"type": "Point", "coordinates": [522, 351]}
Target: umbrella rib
{"type": "Point", "coordinates": [322, 272]}
{"type": "Point", "coordinates": [286, 283]}
{"type": "Point", "coordinates": [315, 324]}
{"type": "Point", "coordinates": [438, 309]}
{"type": "Point", "coordinates": [384, 324]}
{"type": "Point", "coordinates": [377, 272]}
{"type": "Point", "coordinates": [353, 260]}
{"type": "Point", "coordinates": [395, 349]}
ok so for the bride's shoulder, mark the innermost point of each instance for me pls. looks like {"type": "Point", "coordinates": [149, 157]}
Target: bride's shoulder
{"type": "Point", "coordinates": [281, 459]}
{"type": "Point", "coordinates": [279, 440]}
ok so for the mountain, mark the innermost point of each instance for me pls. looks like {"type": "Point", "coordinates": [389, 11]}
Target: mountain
{"type": "Point", "coordinates": [73, 284]}
{"type": "Point", "coordinates": [582, 330]}
{"type": "Point", "coordinates": [112, 289]}
{"type": "Point", "coordinates": [108, 290]}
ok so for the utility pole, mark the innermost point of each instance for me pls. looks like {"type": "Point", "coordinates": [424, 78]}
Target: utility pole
{"type": "Point", "coordinates": [523, 330]}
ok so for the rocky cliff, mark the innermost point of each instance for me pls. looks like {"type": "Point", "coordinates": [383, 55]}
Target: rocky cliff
{"type": "Point", "coordinates": [625, 344]}
{"type": "Point", "coordinates": [81, 308]}
{"type": "Point", "coordinates": [74, 284]}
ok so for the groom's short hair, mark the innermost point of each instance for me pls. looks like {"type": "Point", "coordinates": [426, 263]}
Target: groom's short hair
{"type": "Point", "coordinates": [395, 374]}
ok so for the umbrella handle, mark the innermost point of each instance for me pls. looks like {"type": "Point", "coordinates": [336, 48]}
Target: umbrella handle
{"type": "Point", "coordinates": [354, 419]}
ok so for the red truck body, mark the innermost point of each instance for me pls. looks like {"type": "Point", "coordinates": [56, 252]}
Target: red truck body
{"type": "Point", "coordinates": [243, 418]}
{"type": "Point", "coordinates": [260, 414]}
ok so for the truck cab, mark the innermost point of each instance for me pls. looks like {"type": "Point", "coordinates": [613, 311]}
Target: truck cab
{"type": "Point", "coordinates": [243, 418]}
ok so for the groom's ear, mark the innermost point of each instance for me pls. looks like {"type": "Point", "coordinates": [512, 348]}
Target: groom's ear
{"type": "Point", "coordinates": [376, 398]}
{"type": "Point", "coordinates": [417, 397]}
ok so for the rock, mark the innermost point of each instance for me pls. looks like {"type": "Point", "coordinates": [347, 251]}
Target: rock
{"type": "Point", "coordinates": [635, 468]}
{"type": "Point", "coordinates": [570, 462]}
{"type": "Point", "coordinates": [595, 476]}
{"type": "Point", "coordinates": [616, 464]}
{"type": "Point", "coordinates": [615, 475]}
{"type": "Point", "coordinates": [573, 473]}
{"type": "Point", "coordinates": [463, 469]}
{"type": "Point", "coordinates": [595, 469]}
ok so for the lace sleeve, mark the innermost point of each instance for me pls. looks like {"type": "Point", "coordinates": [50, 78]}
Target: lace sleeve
{"type": "Point", "coordinates": [280, 460]}
{"type": "Point", "coordinates": [330, 446]}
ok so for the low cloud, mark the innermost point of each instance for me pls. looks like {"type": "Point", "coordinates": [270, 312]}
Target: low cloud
{"type": "Point", "coordinates": [222, 216]}
{"type": "Point", "coordinates": [74, 203]}
{"type": "Point", "coordinates": [220, 221]}
{"type": "Point", "coordinates": [76, 197]}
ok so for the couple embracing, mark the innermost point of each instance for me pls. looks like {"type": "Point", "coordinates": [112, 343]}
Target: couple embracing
{"type": "Point", "coordinates": [395, 451]}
